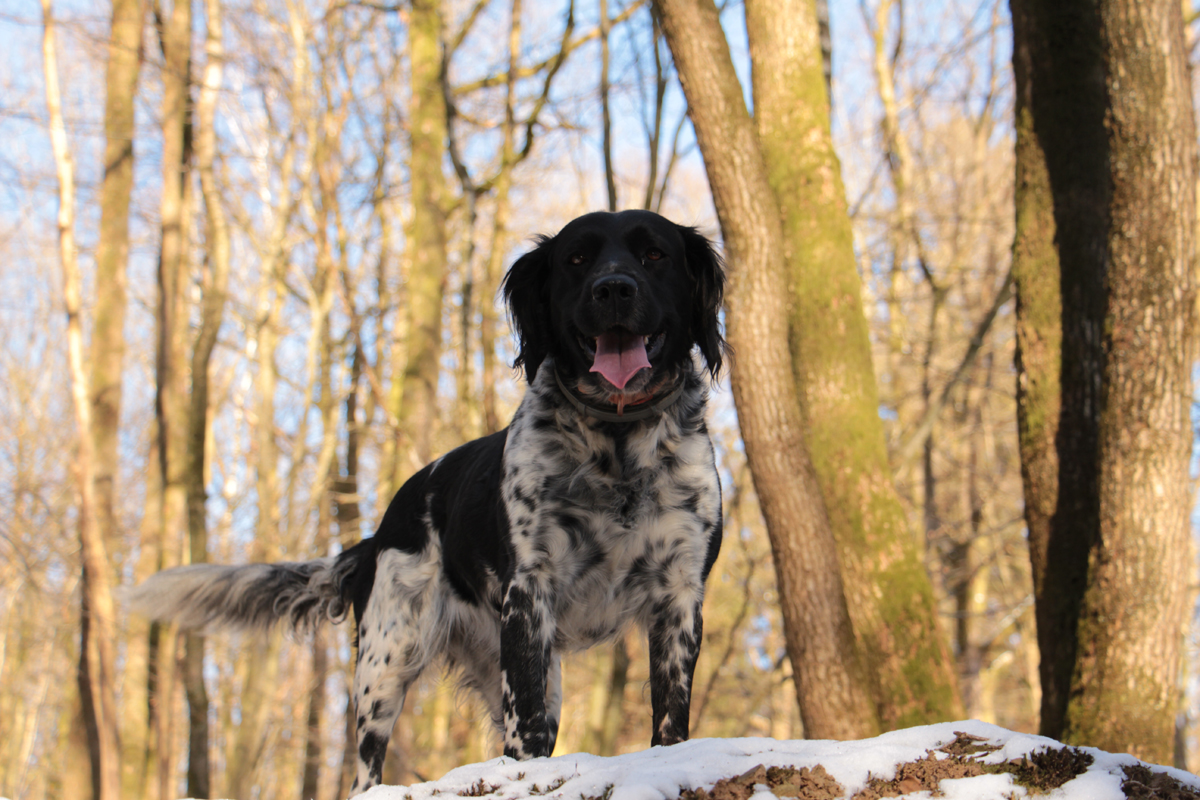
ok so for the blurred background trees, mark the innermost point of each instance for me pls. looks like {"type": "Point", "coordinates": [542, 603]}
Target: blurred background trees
{"type": "Point", "coordinates": [290, 221]}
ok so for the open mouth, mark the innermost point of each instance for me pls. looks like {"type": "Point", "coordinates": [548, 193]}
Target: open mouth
{"type": "Point", "coordinates": [618, 355]}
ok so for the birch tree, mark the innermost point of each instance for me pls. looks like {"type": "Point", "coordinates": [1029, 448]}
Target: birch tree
{"type": "Point", "coordinates": [97, 656]}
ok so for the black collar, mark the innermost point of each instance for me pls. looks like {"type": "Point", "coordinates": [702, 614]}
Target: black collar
{"type": "Point", "coordinates": [634, 414]}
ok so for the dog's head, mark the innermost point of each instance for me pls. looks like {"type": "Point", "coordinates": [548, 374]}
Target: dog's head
{"type": "Point", "coordinates": [617, 301]}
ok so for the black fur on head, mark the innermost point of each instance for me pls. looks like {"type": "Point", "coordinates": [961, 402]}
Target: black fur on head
{"type": "Point", "coordinates": [680, 275]}
{"type": "Point", "coordinates": [708, 288]}
{"type": "Point", "coordinates": [526, 292]}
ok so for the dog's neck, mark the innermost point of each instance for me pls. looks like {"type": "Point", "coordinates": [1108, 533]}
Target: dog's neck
{"type": "Point", "coordinates": [652, 406]}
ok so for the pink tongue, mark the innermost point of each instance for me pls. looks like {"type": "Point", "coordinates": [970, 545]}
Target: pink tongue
{"type": "Point", "coordinates": [619, 356]}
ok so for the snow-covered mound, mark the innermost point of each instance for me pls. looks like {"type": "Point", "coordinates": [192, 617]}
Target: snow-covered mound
{"type": "Point", "coordinates": [961, 760]}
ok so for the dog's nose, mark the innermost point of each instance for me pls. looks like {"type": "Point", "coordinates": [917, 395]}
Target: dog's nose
{"type": "Point", "coordinates": [615, 287]}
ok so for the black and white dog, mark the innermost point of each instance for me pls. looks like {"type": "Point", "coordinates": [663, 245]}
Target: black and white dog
{"type": "Point", "coordinates": [598, 507]}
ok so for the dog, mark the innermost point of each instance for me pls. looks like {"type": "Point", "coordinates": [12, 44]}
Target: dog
{"type": "Point", "coordinates": [599, 507]}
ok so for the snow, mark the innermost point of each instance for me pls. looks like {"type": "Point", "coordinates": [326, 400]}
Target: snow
{"type": "Point", "coordinates": [659, 773]}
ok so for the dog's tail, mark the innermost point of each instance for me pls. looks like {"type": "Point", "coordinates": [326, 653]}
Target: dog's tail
{"type": "Point", "coordinates": [212, 597]}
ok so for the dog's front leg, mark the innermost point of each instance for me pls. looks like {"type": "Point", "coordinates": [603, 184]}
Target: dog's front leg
{"type": "Point", "coordinates": [675, 631]}
{"type": "Point", "coordinates": [527, 628]}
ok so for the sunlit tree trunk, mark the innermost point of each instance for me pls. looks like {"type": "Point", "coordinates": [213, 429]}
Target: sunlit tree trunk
{"type": "Point", "coordinates": [212, 307]}
{"type": "Point", "coordinates": [171, 397]}
{"type": "Point", "coordinates": [1124, 690]}
{"type": "Point", "coordinates": [97, 627]}
{"type": "Point", "coordinates": [426, 280]}
{"type": "Point", "coordinates": [97, 659]}
{"type": "Point", "coordinates": [107, 351]}
{"type": "Point", "coordinates": [889, 594]}
{"type": "Point", "coordinates": [349, 516]}
{"type": "Point", "coordinates": [500, 223]}
{"type": "Point", "coordinates": [831, 683]}
{"type": "Point", "coordinates": [108, 345]}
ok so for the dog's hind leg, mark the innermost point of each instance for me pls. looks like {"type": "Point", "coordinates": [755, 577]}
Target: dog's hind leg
{"type": "Point", "coordinates": [398, 636]}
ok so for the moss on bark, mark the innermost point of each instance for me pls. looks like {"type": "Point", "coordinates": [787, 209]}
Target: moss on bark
{"type": "Point", "coordinates": [890, 596]}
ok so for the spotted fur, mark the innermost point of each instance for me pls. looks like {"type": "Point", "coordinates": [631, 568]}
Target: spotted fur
{"type": "Point", "coordinates": [551, 536]}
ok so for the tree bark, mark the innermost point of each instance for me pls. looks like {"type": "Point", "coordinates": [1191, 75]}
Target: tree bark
{"type": "Point", "coordinates": [97, 662]}
{"type": "Point", "coordinates": [107, 350]}
{"type": "Point", "coordinates": [831, 683]}
{"type": "Point", "coordinates": [500, 221]}
{"type": "Point", "coordinates": [1059, 263]}
{"type": "Point", "coordinates": [171, 395]}
{"type": "Point", "coordinates": [888, 592]}
{"type": "Point", "coordinates": [426, 280]}
{"type": "Point", "coordinates": [212, 309]}
{"type": "Point", "coordinates": [314, 735]}
{"type": "Point", "coordinates": [1124, 691]}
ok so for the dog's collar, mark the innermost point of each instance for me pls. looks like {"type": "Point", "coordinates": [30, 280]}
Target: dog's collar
{"type": "Point", "coordinates": [633, 414]}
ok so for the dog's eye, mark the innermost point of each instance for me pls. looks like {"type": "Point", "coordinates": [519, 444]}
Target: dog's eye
{"type": "Point", "coordinates": [654, 254]}
{"type": "Point", "coordinates": [575, 258]}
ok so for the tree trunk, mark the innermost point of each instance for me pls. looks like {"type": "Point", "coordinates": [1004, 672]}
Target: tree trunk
{"type": "Point", "coordinates": [97, 662]}
{"type": "Point", "coordinates": [107, 350]}
{"type": "Point", "coordinates": [889, 594]}
{"type": "Point", "coordinates": [171, 397]}
{"type": "Point", "coordinates": [323, 499]}
{"type": "Point", "coordinates": [1124, 691]}
{"type": "Point", "coordinates": [1059, 263]}
{"type": "Point", "coordinates": [427, 235]}
{"type": "Point", "coordinates": [500, 220]}
{"type": "Point", "coordinates": [831, 685]}
{"type": "Point", "coordinates": [1038, 352]}
{"type": "Point", "coordinates": [212, 308]}
{"type": "Point", "coordinates": [314, 735]}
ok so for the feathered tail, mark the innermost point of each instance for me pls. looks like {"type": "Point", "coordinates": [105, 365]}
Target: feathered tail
{"type": "Point", "coordinates": [211, 597]}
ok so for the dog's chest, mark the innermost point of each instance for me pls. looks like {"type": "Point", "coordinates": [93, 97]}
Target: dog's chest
{"type": "Point", "coordinates": [612, 524]}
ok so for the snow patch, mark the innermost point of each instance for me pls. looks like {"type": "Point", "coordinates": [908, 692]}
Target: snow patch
{"type": "Point", "coordinates": [660, 773]}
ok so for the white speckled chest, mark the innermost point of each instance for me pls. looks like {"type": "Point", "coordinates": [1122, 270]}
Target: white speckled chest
{"type": "Point", "coordinates": [613, 518]}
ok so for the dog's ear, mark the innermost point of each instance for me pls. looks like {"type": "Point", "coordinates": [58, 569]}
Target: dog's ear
{"type": "Point", "coordinates": [526, 293]}
{"type": "Point", "coordinates": [707, 272]}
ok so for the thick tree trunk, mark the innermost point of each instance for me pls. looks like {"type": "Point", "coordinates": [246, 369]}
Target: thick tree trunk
{"type": "Point", "coordinates": [1124, 691]}
{"type": "Point", "coordinates": [426, 280]}
{"type": "Point", "coordinates": [831, 683]}
{"type": "Point", "coordinates": [97, 662]}
{"type": "Point", "coordinates": [889, 594]}
{"type": "Point", "coordinates": [1059, 263]}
